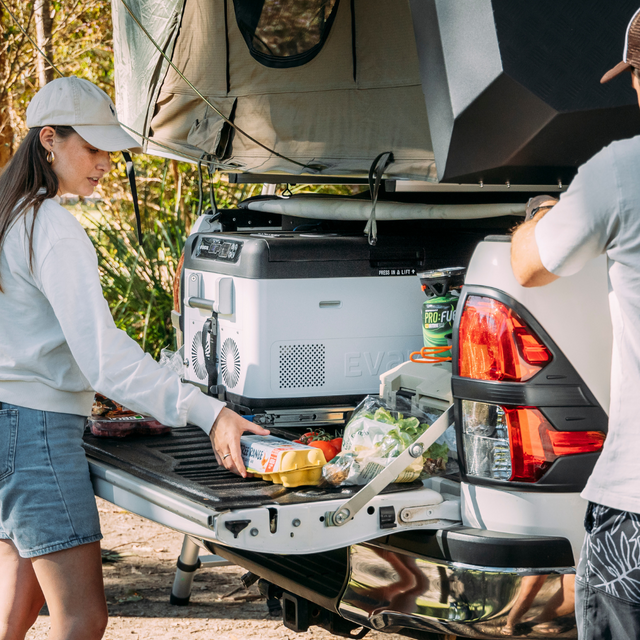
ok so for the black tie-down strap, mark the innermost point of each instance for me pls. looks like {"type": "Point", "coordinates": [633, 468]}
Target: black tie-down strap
{"type": "Point", "coordinates": [378, 167]}
{"type": "Point", "coordinates": [208, 158]}
{"type": "Point", "coordinates": [210, 351]}
{"type": "Point", "coordinates": [131, 174]}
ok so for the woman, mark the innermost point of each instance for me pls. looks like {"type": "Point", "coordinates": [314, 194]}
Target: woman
{"type": "Point", "coordinates": [58, 344]}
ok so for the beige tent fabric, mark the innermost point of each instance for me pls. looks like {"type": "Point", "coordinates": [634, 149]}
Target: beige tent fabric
{"type": "Point", "coordinates": [330, 70]}
{"type": "Point", "coordinates": [139, 67]}
{"type": "Point", "coordinates": [312, 113]}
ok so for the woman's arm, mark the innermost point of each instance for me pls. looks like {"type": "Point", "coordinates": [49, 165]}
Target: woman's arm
{"type": "Point", "coordinates": [115, 365]}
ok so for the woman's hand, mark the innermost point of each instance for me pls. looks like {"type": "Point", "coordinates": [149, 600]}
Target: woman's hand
{"type": "Point", "coordinates": [225, 439]}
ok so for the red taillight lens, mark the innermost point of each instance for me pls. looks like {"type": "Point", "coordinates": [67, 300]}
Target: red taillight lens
{"type": "Point", "coordinates": [496, 344]}
{"type": "Point", "coordinates": [517, 443]}
{"type": "Point", "coordinates": [535, 444]}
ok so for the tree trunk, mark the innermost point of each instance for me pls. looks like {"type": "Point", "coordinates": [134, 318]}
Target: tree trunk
{"type": "Point", "coordinates": [42, 11]}
{"type": "Point", "coordinates": [6, 106]}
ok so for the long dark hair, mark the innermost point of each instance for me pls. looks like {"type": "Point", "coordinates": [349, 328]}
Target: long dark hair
{"type": "Point", "coordinates": [27, 182]}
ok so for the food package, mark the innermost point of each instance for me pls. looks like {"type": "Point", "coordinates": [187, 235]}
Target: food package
{"type": "Point", "coordinates": [111, 420]}
{"type": "Point", "coordinates": [374, 436]}
{"type": "Point", "coordinates": [281, 461]}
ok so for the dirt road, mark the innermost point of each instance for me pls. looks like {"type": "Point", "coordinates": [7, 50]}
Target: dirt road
{"type": "Point", "coordinates": [139, 564]}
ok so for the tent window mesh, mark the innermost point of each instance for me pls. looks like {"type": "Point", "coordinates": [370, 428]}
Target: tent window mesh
{"type": "Point", "coordinates": [285, 33]}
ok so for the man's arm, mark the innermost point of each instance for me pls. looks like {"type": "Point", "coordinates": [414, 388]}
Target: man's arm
{"type": "Point", "coordinates": [525, 256]}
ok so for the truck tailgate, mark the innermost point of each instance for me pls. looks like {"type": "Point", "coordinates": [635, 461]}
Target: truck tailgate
{"type": "Point", "coordinates": [175, 480]}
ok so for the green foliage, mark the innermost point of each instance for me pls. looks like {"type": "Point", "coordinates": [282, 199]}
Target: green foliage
{"type": "Point", "coordinates": [80, 44]}
{"type": "Point", "coordinates": [137, 281]}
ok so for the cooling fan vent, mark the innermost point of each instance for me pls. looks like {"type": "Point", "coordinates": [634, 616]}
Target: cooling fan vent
{"type": "Point", "coordinates": [198, 355]}
{"type": "Point", "coordinates": [230, 363]}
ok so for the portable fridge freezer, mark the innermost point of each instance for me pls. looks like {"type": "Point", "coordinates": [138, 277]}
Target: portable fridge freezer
{"type": "Point", "coordinates": [302, 319]}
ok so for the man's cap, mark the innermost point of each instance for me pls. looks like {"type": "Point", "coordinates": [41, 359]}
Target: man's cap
{"type": "Point", "coordinates": [539, 202]}
{"type": "Point", "coordinates": [78, 103]}
{"type": "Point", "coordinates": [631, 54]}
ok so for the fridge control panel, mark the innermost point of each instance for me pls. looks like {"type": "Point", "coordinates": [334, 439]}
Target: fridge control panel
{"type": "Point", "coordinates": [219, 249]}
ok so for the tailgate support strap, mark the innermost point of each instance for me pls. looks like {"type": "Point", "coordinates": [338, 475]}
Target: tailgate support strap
{"type": "Point", "coordinates": [349, 509]}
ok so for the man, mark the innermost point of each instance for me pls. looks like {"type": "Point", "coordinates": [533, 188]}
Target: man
{"type": "Point", "coordinates": [600, 213]}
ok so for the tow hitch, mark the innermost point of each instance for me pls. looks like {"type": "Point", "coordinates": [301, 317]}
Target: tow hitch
{"type": "Point", "coordinates": [299, 614]}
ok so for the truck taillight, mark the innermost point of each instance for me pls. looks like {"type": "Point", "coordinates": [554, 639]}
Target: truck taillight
{"type": "Point", "coordinates": [517, 443]}
{"type": "Point", "coordinates": [496, 344]}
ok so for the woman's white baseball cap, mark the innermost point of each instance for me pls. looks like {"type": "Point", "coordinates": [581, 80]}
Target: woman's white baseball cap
{"type": "Point", "coordinates": [78, 103]}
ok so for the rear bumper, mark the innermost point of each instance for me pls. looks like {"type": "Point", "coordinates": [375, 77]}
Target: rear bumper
{"type": "Point", "coordinates": [467, 582]}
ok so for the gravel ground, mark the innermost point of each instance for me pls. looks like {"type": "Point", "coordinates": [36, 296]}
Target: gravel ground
{"type": "Point", "coordinates": [140, 558]}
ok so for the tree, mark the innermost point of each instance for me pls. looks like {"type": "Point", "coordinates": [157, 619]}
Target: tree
{"type": "Point", "coordinates": [44, 23]}
{"type": "Point", "coordinates": [74, 34]}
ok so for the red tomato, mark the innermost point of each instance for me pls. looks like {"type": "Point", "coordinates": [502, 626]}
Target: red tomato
{"type": "Point", "coordinates": [336, 443]}
{"type": "Point", "coordinates": [329, 451]}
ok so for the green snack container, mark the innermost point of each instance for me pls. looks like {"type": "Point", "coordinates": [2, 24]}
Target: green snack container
{"type": "Point", "coordinates": [442, 288]}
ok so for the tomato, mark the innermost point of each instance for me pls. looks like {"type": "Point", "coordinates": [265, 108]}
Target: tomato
{"type": "Point", "coordinates": [336, 443]}
{"type": "Point", "coordinates": [312, 436]}
{"type": "Point", "coordinates": [329, 451]}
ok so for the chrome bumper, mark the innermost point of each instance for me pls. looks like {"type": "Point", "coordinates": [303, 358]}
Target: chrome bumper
{"type": "Point", "coordinates": [390, 589]}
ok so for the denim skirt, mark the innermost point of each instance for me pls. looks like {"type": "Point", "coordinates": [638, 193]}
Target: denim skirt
{"type": "Point", "coordinates": [46, 498]}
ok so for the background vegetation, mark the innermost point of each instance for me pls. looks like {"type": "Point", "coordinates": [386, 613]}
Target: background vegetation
{"type": "Point", "coordinates": [137, 281]}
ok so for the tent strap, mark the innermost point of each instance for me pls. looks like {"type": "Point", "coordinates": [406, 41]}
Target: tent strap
{"type": "Point", "coordinates": [378, 167]}
{"type": "Point", "coordinates": [131, 174]}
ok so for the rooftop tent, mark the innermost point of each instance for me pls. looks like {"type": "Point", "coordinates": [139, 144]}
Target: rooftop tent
{"type": "Point", "coordinates": [329, 82]}
{"type": "Point", "coordinates": [493, 90]}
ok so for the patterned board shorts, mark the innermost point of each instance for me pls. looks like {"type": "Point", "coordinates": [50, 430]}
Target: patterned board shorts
{"type": "Point", "coordinates": [608, 576]}
{"type": "Point", "coordinates": [46, 498]}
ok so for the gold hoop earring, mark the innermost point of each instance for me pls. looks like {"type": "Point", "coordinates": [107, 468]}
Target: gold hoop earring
{"type": "Point", "coordinates": [50, 157]}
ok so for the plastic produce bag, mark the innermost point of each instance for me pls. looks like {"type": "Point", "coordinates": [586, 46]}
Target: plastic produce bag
{"type": "Point", "coordinates": [173, 360]}
{"type": "Point", "coordinates": [375, 435]}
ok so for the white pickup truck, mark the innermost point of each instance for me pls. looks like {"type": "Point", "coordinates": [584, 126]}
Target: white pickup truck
{"type": "Point", "coordinates": [458, 112]}
{"type": "Point", "coordinates": [452, 556]}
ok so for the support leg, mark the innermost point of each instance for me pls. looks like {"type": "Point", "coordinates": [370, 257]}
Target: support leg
{"type": "Point", "coordinates": [187, 565]}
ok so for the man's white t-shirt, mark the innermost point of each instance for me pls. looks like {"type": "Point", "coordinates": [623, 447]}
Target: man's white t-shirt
{"type": "Point", "coordinates": [600, 213]}
{"type": "Point", "coordinates": [58, 341]}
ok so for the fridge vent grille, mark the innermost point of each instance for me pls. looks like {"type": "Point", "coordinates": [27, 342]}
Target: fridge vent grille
{"type": "Point", "coordinates": [197, 356]}
{"type": "Point", "coordinates": [230, 363]}
{"type": "Point", "coordinates": [302, 365]}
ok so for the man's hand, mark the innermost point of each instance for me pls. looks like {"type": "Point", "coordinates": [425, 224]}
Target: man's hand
{"type": "Point", "coordinates": [525, 257]}
{"type": "Point", "coordinates": [225, 439]}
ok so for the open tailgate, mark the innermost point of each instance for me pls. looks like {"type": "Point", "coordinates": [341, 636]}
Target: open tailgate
{"type": "Point", "coordinates": [176, 481]}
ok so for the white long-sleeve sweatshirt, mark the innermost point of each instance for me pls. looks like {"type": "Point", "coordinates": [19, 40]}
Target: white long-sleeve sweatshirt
{"type": "Point", "coordinates": [58, 341]}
